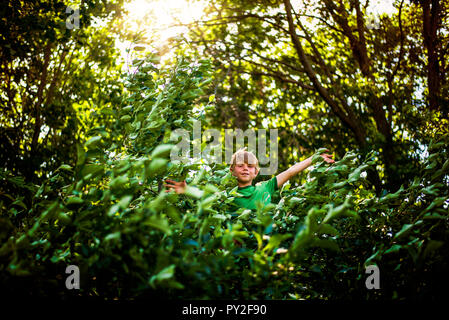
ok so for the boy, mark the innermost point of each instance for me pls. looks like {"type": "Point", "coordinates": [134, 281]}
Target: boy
{"type": "Point", "coordinates": [245, 167]}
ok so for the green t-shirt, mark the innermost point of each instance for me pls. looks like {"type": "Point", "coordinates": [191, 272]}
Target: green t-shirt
{"type": "Point", "coordinates": [252, 194]}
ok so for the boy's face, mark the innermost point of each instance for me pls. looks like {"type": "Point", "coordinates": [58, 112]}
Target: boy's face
{"type": "Point", "coordinates": [244, 172]}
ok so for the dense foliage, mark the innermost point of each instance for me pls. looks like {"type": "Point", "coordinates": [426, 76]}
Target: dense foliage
{"type": "Point", "coordinates": [332, 74]}
{"type": "Point", "coordinates": [110, 215]}
{"type": "Point", "coordinates": [51, 77]}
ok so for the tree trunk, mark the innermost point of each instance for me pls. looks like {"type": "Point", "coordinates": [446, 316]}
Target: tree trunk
{"type": "Point", "coordinates": [431, 20]}
{"type": "Point", "coordinates": [343, 112]}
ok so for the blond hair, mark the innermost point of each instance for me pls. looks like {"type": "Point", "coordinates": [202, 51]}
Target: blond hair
{"type": "Point", "coordinates": [244, 156]}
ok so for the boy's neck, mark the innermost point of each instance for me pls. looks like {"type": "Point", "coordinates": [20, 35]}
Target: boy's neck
{"type": "Point", "coordinates": [244, 184]}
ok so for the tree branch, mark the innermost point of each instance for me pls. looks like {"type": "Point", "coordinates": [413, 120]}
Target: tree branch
{"type": "Point", "coordinates": [396, 68]}
{"type": "Point", "coordinates": [315, 52]}
{"type": "Point", "coordinates": [40, 91]}
{"type": "Point", "coordinates": [335, 107]}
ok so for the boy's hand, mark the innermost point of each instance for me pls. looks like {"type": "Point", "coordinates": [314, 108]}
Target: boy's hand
{"type": "Point", "coordinates": [327, 157]}
{"type": "Point", "coordinates": [179, 187]}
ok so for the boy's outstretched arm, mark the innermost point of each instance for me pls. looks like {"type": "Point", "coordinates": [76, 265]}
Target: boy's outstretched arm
{"type": "Point", "coordinates": [283, 177]}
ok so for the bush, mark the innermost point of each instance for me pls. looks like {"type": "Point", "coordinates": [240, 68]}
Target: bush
{"type": "Point", "coordinates": [110, 216]}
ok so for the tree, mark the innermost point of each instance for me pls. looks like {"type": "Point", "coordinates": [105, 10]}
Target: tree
{"type": "Point", "coordinates": [340, 80]}
{"type": "Point", "coordinates": [52, 77]}
{"type": "Point", "coordinates": [434, 16]}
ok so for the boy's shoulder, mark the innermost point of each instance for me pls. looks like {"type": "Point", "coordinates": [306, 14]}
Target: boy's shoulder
{"type": "Point", "coordinates": [261, 183]}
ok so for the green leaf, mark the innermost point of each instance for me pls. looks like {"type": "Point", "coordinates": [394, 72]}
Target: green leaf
{"type": "Point", "coordinates": [325, 228]}
{"type": "Point", "coordinates": [259, 240]}
{"type": "Point", "coordinates": [354, 176]}
{"type": "Point", "coordinates": [154, 58]}
{"type": "Point", "coordinates": [74, 200]}
{"type": "Point", "coordinates": [434, 146]}
{"type": "Point", "coordinates": [207, 202]}
{"type": "Point", "coordinates": [394, 248]}
{"type": "Point", "coordinates": [124, 201]}
{"type": "Point", "coordinates": [210, 188]}
{"type": "Point", "coordinates": [404, 231]}
{"type": "Point", "coordinates": [91, 170]}
{"type": "Point", "coordinates": [165, 274]}
{"type": "Point", "coordinates": [193, 192]}
{"type": "Point", "coordinates": [374, 257]}
{"type": "Point", "coordinates": [433, 215]}
{"type": "Point", "coordinates": [93, 142]}
{"type": "Point", "coordinates": [436, 203]}
{"type": "Point", "coordinates": [275, 241]}
{"type": "Point", "coordinates": [392, 196]}
{"type": "Point", "coordinates": [294, 200]}
{"type": "Point", "coordinates": [118, 182]}
{"type": "Point", "coordinates": [198, 177]}
{"type": "Point", "coordinates": [206, 82]}
{"type": "Point", "coordinates": [431, 166]}
{"type": "Point", "coordinates": [157, 166]}
{"type": "Point", "coordinates": [107, 111]}
{"type": "Point", "coordinates": [64, 167]}
{"type": "Point", "coordinates": [127, 109]}
{"type": "Point", "coordinates": [339, 185]}
{"type": "Point", "coordinates": [125, 118]}
{"type": "Point", "coordinates": [338, 211]}
{"type": "Point", "coordinates": [20, 203]}
{"type": "Point", "coordinates": [113, 236]}
{"type": "Point", "coordinates": [64, 219]}
{"type": "Point", "coordinates": [245, 214]}
{"type": "Point", "coordinates": [445, 167]}
{"type": "Point", "coordinates": [189, 95]}
{"type": "Point", "coordinates": [162, 151]}
{"type": "Point", "coordinates": [431, 247]}
{"type": "Point", "coordinates": [81, 155]}
{"type": "Point", "coordinates": [174, 214]}
{"type": "Point", "coordinates": [137, 62]}
{"type": "Point", "coordinates": [113, 210]}
{"type": "Point", "coordinates": [220, 217]}
{"type": "Point", "coordinates": [158, 223]}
